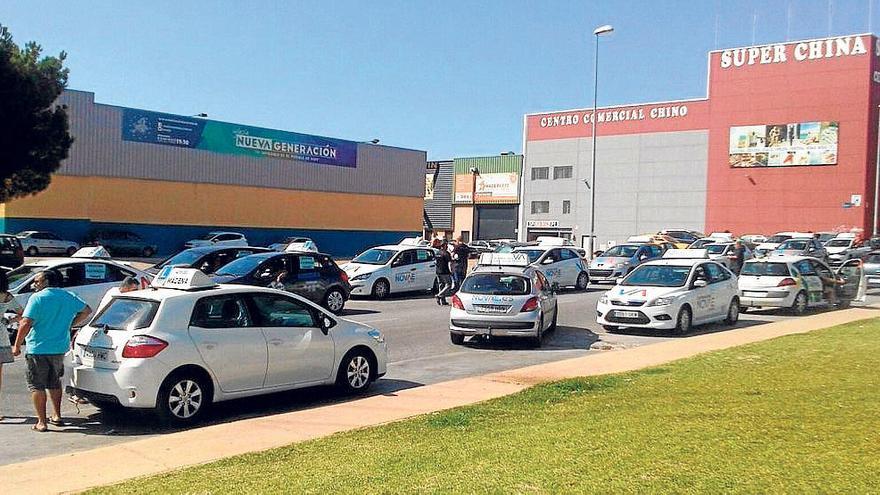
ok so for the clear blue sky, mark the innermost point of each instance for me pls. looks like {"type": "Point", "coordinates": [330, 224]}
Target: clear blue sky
{"type": "Point", "coordinates": [452, 77]}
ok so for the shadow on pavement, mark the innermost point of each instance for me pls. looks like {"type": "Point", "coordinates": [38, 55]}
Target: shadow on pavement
{"type": "Point", "coordinates": [564, 338]}
{"type": "Point", "coordinates": [357, 312]}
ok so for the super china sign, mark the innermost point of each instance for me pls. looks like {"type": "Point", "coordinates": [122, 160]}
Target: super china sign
{"type": "Point", "coordinates": [844, 46]}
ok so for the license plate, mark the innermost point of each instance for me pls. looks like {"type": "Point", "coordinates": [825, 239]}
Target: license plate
{"type": "Point", "coordinates": [626, 314]}
{"type": "Point", "coordinates": [491, 309]}
{"type": "Point", "coordinates": [95, 353]}
{"type": "Point", "coordinates": [754, 294]}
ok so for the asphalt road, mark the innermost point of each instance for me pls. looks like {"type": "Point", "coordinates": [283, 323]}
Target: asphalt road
{"type": "Point", "coordinates": [419, 353]}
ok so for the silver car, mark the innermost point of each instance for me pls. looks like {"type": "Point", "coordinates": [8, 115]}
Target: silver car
{"type": "Point", "coordinates": [722, 252]}
{"type": "Point", "coordinates": [503, 301]}
{"type": "Point", "coordinates": [872, 269]}
{"type": "Point", "coordinates": [36, 243]}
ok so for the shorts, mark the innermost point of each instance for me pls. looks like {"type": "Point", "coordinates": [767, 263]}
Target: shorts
{"type": "Point", "coordinates": [6, 354]}
{"type": "Point", "coordinates": [44, 371]}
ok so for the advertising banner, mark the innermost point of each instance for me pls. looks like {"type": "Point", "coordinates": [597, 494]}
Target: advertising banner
{"type": "Point", "coordinates": [221, 137]}
{"type": "Point", "coordinates": [784, 145]}
{"type": "Point", "coordinates": [429, 186]}
{"type": "Point", "coordinates": [500, 187]}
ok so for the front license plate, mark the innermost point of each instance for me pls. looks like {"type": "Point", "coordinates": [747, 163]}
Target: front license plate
{"type": "Point", "coordinates": [754, 294]}
{"type": "Point", "coordinates": [626, 314]}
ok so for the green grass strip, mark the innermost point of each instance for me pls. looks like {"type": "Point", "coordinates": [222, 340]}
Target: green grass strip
{"type": "Point", "coordinates": [798, 414]}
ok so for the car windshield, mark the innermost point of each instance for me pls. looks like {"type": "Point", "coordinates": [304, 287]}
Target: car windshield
{"type": "Point", "coordinates": [22, 274]}
{"type": "Point", "coordinates": [533, 254]}
{"type": "Point", "coordinates": [620, 252]}
{"type": "Point", "coordinates": [241, 266]}
{"type": "Point", "coordinates": [505, 248]}
{"type": "Point", "coordinates": [186, 257]}
{"type": "Point", "coordinates": [759, 268]}
{"type": "Point", "coordinates": [126, 314]}
{"type": "Point", "coordinates": [658, 276]}
{"type": "Point", "coordinates": [496, 284]}
{"type": "Point", "coordinates": [793, 245]}
{"type": "Point", "coordinates": [715, 248]}
{"type": "Point", "coordinates": [374, 256]}
{"type": "Point", "coordinates": [838, 243]}
{"type": "Point", "coordinates": [776, 239]}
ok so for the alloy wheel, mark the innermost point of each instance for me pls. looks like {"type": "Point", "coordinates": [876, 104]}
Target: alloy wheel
{"type": "Point", "coordinates": [185, 399]}
{"type": "Point", "coordinates": [358, 372]}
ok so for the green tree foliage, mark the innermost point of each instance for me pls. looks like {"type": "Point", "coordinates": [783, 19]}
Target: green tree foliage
{"type": "Point", "coordinates": [34, 136]}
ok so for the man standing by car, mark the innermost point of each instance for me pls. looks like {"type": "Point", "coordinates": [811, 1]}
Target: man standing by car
{"type": "Point", "coordinates": [442, 260]}
{"type": "Point", "coordinates": [460, 254]}
{"type": "Point", "coordinates": [737, 257]}
{"type": "Point", "coordinates": [45, 326]}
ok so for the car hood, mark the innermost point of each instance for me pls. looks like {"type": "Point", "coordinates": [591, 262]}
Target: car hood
{"type": "Point", "coordinates": [351, 269]}
{"type": "Point", "coordinates": [608, 262]}
{"type": "Point", "coordinates": [634, 293]}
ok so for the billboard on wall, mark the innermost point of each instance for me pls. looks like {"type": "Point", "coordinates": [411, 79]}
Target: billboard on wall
{"type": "Point", "coordinates": [500, 187]}
{"type": "Point", "coordinates": [221, 137]}
{"type": "Point", "coordinates": [784, 145]}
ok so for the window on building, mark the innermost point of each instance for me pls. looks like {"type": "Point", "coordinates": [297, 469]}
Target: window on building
{"type": "Point", "coordinates": [540, 173]}
{"type": "Point", "coordinates": [566, 207]}
{"type": "Point", "coordinates": [540, 207]}
{"type": "Point", "coordinates": [562, 172]}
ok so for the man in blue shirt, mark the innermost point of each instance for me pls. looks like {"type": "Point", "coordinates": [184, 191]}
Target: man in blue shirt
{"type": "Point", "coordinates": [45, 327]}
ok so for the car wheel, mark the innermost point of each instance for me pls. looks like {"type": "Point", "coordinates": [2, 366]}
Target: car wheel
{"type": "Point", "coordinates": [732, 312]}
{"type": "Point", "coordinates": [33, 251]}
{"type": "Point", "coordinates": [381, 289]}
{"type": "Point", "coordinates": [456, 338]}
{"type": "Point", "coordinates": [148, 252]}
{"type": "Point", "coordinates": [799, 306]}
{"type": "Point", "coordinates": [684, 321]}
{"type": "Point", "coordinates": [355, 371]}
{"type": "Point", "coordinates": [610, 328]}
{"type": "Point", "coordinates": [71, 251]}
{"type": "Point", "coordinates": [334, 300]}
{"type": "Point", "coordinates": [537, 340]}
{"type": "Point", "coordinates": [183, 398]}
{"type": "Point", "coordinates": [583, 281]}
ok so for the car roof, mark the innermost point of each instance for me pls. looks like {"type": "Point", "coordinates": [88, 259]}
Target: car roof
{"type": "Point", "coordinates": [218, 232]}
{"type": "Point", "coordinates": [159, 294]}
{"type": "Point", "coordinates": [782, 258]}
{"type": "Point", "coordinates": [523, 271]}
{"type": "Point", "coordinates": [676, 262]}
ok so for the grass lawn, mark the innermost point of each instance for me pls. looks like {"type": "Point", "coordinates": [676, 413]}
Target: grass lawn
{"type": "Point", "coordinates": [796, 414]}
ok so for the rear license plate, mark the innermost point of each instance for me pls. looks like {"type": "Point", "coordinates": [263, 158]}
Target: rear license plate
{"type": "Point", "coordinates": [95, 353]}
{"type": "Point", "coordinates": [626, 314]}
{"type": "Point", "coordinates": [754, 294]}
{"type": "Point", "coordinates": [491, 309]}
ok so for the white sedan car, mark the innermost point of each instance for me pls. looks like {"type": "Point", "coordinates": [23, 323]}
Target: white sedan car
{"type": "Point", "coordinates": [671, 294]}
{"type": "Point", "coordinates": [384, 270]}
{"type": "Point", "coordinates": [186, 343]}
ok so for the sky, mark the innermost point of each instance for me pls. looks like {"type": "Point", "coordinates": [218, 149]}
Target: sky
{"type": "Point", "coordinates": [453, 78]}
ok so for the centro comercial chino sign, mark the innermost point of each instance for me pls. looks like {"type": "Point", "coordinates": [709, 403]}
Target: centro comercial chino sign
{"type": "Point", "coordinates": [844, 46]}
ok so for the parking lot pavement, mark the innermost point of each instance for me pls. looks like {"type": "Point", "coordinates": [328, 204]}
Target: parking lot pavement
{"type": "Point", "coordinates": [420, 353]}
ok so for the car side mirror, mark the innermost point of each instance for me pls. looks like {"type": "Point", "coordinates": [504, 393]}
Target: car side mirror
{"type": "Point", "coordinates": [326, 323]}
{"type": "Point", "coordinates": [548, 261]}
{"type": "Point", "coordinates": [619, 280]}
{"type": "Point", "coordinates": [700, 283]}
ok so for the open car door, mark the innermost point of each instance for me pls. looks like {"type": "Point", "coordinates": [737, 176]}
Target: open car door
{"type": "Point", "coordinates": [855, 285]}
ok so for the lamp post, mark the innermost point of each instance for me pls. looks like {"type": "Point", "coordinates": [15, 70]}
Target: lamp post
{"type": "Point", "coordinates": [606, 29]}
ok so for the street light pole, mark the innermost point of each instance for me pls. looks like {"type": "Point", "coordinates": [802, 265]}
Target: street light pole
{"type": "Point", "coordinates": [597, 32]}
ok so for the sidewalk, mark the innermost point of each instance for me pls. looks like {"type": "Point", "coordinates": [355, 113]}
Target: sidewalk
{"type": "Point", "coordinates": [107, 465]}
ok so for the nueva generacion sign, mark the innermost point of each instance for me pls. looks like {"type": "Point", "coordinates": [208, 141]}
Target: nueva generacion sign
{"type": "Point", "coordinates": [187, 132]}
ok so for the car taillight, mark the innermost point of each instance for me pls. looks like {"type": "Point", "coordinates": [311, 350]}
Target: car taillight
{"type": "Point", "coordinates": [142, 346]}
{"type": "Point", "coordinates": [786, 282]}
{"type": "Point", "coordinates": [530, 305]}
{"type": "Point", "coordinates": [456, 302]}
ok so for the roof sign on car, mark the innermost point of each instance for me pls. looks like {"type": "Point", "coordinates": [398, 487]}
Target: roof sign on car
{"type": "Point", "coordinates": [302, 247]}
{"type": "Point", "coordinates": [91, 252]}
{"type": "Point", "coordinates": [172, 277]}
{"type": "Point", "coordinates": [504, 259]}
{"type": "Point", "coordinates": [686, 254]}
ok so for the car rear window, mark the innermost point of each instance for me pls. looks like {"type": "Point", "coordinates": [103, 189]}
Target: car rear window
{"type": "Point", "coordinates": [127, 314]}
{"type": "Point", "coordinates": [764, 268]}
{"type": "Point", "coordinates": [496, 285]}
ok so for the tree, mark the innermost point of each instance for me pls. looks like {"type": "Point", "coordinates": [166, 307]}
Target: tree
{"type": "Point", "coordinates": [34, 136]}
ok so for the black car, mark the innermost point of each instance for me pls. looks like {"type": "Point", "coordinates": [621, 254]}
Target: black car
{"type": "Point", "coordinates": [314, 276]}
{"type": "Point", "coordinates": [11, 254]}
{"type": "Point", "coordinates": [208, 259]}
{"type": "Point", "coordinates": [118, 242]}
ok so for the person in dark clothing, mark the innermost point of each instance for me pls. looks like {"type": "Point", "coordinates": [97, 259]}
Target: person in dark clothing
{"type": "Point", "coordinates": [460, 254]}
{"type": "Point", "coordinates": [442, 260]}
{"type": "Point", "coordinates": [738, 256]}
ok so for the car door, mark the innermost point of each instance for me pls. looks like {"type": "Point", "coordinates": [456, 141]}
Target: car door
{"type": "Point", "coordinates": [268, 271]}
{"type": "Point", "coordinates": [97, 278]}
{"type": "Point", "coordinates": [854, 283]}
{"type": "Point", "coordinates": [701, 297]}
{"type": "Point", "coordinates": [404, 271]}
{"type": "Point", "coordinates": [426, 274]}
{"type": "Point", "coordinates": [54, 243]}
{"type": "Point", "coordinates": [545, 292]}
{"type": "Point", "coordinates": [719, 288]}
{"type": "Point", "coordinates": [810, 281]}
{"type": "Point", "coordinates": [300, 352]}
{"type": "Point", "coordinates": [567, 267]}
{"type": "Point", "coordinates": [308, 282]}
{"type": "Point", "coordinates": [550, 266]}
{"type": "Point", "coordinates": [229, 342]}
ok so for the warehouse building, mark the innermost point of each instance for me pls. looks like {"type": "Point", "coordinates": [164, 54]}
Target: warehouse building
{"type": "Point", "coordinates": [492, 212]}
{"type": "Point", "coordinates": [170, 178]}
{"type": "Point", "coordinates": [786, 139]}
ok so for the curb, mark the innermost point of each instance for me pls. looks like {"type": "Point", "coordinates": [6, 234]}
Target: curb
{"type": "Point", "coordinates": [112, 464]}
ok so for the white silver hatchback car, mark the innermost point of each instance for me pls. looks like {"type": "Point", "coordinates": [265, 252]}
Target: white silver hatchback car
{"type": "Point", "coordinates": [186, 343]}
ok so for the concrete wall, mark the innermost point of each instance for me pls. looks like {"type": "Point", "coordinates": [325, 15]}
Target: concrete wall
{"type": "Point", "coordinates": [646, 182]}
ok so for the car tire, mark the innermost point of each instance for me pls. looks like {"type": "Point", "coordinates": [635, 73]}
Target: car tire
{"type": "Point", "coordinates": [610, 328]}
{"type": "Point", "coordinates": [184, 398]}
{"type": "Point", "coordinates": [334, 301]}
{"type": "Point", "coordinates": [148, 252]}
{"type": "Point", "coordinates": [684, 321]}
{"type": "Point", "coordinates": [583, 281]}
{"type": "Point", "coordinates": [732, 312]}
{"type": "Point", "coordinates": [71, 251]}
{"type": "Point", "coordinates": [538, 340]}
{"type": "Point", "coordinates": [456, 338]}
{"type": "Point", "coordinates": [381, 289]}
{"type": "Point", "coordinates": [799, 306]}
{"type": "Point", "coordinates": [33, 251]}
{"type": "Point", "coordinates": [355, 371]}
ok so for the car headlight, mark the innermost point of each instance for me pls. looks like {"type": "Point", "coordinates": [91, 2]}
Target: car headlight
{"type": "Point", "coordinates": [603, 299]}
{"type": "Point", "coordinates": [362, 276]}
{"type": "Point", "coordinates": [377, 335]}
{"type": "Point", "coordinates": [662, 301]}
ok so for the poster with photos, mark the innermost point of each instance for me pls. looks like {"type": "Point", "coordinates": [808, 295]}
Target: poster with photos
{"type": "Point", "coordinates": [784, 145]}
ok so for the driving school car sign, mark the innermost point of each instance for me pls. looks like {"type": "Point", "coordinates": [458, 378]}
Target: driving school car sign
{"type": "Point", "coordinates": [221, 137]}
